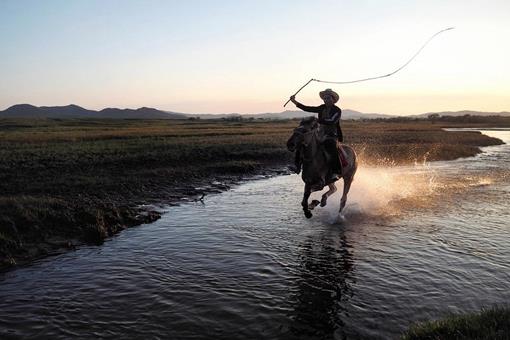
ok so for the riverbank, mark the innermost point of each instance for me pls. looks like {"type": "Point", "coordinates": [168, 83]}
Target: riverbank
{"type": "Point", "coordinates": [490, 323]}
{"type": "Point", "coordinates": [68, 182]}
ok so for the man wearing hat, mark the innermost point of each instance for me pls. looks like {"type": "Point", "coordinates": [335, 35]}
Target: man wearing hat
{"type": "Point", "coordinates": [329, 117]}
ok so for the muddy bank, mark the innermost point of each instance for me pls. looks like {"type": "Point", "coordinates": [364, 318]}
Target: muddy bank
{"type": "Point", "coordinates": [34, 227]}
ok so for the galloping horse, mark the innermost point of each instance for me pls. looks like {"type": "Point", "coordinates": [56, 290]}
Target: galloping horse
{"type": "Point", "coordinates": [308, 137]}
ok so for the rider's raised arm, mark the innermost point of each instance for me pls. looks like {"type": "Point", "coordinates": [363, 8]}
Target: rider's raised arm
{"type": "Point", "coordinates": [315, 109]}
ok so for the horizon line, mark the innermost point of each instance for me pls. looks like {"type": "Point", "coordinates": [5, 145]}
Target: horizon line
{"type": "Point", "coordinates": [241, 114]}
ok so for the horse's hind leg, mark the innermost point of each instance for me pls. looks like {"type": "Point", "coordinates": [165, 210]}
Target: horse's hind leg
{"type": "Point", "coordinates": [347, 187]}
{"type": "Point", "coordinates": [331, 191]}
{"type": "Point", "coordinates": [304, 203]}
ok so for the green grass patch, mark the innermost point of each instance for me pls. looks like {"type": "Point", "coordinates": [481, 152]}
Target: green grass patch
{"type": "Point", "coordinates": [491, 323]}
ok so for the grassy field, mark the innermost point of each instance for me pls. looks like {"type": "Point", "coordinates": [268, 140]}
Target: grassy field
{"type": "Point", "coordinates": [63, 182]}
{"type": "Point", "coordinates": [492, 323]}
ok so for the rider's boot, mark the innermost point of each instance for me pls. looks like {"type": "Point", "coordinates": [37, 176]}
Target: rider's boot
{"type": "Point", "coordinates": [336, 170]}
{"type": "Point", "coordinates": [334, 161]}
{"type": "Point", "coordinates": [337, 167]}
{"type": "Point", "coordinates": [297, 163]}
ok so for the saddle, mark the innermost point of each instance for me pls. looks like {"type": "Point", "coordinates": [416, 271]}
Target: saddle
{"type": "Point", "coordinates": [341, 154]}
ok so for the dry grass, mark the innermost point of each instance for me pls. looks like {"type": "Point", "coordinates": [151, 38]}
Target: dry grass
{"type": "Point", "coordinates": [61, 177]}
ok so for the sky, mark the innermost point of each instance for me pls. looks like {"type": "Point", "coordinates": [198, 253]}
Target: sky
{"type": "Point", "coordinates": [250, 56]}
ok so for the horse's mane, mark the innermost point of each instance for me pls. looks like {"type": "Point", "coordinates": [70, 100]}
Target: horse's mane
{"type": "Point", "coordinates": [308, 120]}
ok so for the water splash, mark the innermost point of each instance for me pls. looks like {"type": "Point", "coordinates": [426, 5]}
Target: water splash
{"type": "Point", "coordinates": [388, 191]}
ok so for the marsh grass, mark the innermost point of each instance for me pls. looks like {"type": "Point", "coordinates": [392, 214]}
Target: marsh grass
{"type": "Point", "coordinates": [82, 179]}
{"type": "Point", "coordinates": [491, 323]}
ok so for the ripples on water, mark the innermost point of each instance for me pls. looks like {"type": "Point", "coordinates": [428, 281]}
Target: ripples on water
{"type": "Point", "coordinates": [415, 243]}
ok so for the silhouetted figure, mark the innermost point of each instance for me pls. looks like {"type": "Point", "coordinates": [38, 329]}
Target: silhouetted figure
{"type": "Point", "coordinates": [329, 117]}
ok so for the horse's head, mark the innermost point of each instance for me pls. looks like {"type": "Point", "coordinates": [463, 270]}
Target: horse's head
{"type": "Point", "coordinates": [301, 133]}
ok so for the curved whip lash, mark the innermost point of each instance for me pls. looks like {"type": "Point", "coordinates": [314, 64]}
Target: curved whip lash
{"type": "Point", "coordinates": [373, 78]}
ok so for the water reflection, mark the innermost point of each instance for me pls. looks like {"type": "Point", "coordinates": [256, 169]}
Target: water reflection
{"type": "Point", "coordinates": [416, 243]}
{"type": "Point", "coordinates": [323, 285]}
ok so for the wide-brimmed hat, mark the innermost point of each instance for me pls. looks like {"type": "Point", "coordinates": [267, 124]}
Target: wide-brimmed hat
{"type": "Point", "coordinates": [329, 92]}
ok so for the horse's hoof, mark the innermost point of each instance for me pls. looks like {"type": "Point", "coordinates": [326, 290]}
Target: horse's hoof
{"type": "Point", "coordinates": [308, 214]}
{"type": "Point", "coordinates": [313, 204]}
{"type": "Point", "coordinates": [340, 219]}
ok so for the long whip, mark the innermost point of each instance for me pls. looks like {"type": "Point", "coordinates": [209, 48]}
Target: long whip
{"type": "Point", "coordinates": [373, 78]}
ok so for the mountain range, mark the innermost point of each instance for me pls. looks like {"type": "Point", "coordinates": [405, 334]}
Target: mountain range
{"type": "Point", "coordinates": [346, 114]}
{"type": "Point", "coordinates": [75, 111]}
{"type": "Point", "coordinates": [464, 113]}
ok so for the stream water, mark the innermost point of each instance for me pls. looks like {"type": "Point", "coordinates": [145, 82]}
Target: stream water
{"type": "Point", "coordinates": [415, 243]}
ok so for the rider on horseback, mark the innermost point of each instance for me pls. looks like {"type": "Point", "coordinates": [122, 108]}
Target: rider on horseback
{"type": "Point", "coordinates": [329, 117]}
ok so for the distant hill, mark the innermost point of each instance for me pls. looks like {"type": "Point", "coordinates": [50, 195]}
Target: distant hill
{"type": "Point", "coordinates": [463, 113]}
{"type": "Point", "coordinates": [141, 113]}
{"type": "Point", "coordinates": [75, 111]}
{"type": "Point", "coordinates": [22, 110]}
{"type": "Point", "coordinates": [68, 111]}
{"type": "Point", "coordinates": [346, 114]}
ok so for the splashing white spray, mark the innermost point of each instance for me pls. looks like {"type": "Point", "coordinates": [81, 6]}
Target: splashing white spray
{"type": "Point", "coordinates": [381, 191]}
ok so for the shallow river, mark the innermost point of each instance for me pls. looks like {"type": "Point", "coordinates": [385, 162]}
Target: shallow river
{"type": "Point", "coordinates": [415, 243]}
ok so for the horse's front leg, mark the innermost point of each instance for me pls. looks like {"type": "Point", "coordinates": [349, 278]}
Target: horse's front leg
{"type": "Point", "coordinates": [331, 191]}
{"type": "Point", "coordinates": [304, 203]}
{"type": "Point", "coordinates": [347, 187]}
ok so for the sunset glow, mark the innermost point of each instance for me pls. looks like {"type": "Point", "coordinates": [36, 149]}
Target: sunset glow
{"type": "Point", "coordinates": [249, 57]}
